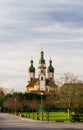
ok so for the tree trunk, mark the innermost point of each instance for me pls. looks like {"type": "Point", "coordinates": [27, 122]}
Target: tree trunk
{"type": "Point", "coordinates": [26, 112]}
{"type": "Point", "coordinates": [29, 113]}
{"type": "Point", "coordinates": [37, 115]}
{"type": "Point", "coordinates": [47, 116]}
{"type": "Point", "coordinates": [68, 110]}
{"type": "Point", "coordinates": [68, 105]}
{"type": "Point", "coordinates": [33, 113]}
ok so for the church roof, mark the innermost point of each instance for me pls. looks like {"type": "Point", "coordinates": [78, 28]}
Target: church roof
{"type": "Point", "coordinates": [49, 82]}
{"type": "Point", "coordinates": [42, 61]}
{"type": "Point", "coordinates": [32, 82]}
{"type": "Point", "coordinates": [37, 82]}
{"type": "Point", "coordinates": [50, 68]}
{"type": "Point", "coordinates": [31, 68]}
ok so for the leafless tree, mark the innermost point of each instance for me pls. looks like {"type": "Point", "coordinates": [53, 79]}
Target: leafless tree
{"type": "Point", "coordinates": [67, 91]}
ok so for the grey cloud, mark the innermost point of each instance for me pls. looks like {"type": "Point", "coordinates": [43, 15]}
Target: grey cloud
{"type": "Point", "coordinates": [21, 17]}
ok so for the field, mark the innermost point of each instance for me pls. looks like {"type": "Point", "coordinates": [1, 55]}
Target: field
{"type": "Point", "coordinates": [53, 116]}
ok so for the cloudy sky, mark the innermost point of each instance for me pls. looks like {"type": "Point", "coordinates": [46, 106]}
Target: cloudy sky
{"type": "Point", "coordinates": [26, 26]}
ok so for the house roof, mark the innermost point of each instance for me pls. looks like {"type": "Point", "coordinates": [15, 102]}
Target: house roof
{"type": "Point", "coordinates": [49, 82]}
{"type": "Point", "coordinates": [32, 82]}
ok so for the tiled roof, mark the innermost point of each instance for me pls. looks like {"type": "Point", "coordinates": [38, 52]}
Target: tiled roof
{"type": "Point", "coordinates": [49, 82]}
{"type": "Point", "coordinates": [32, 82]}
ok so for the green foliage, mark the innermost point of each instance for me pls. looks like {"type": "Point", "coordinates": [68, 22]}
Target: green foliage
{"type": "Point", "coordinates": [76, 117]}
{"type": "Point", "coordinates": [1, 98]}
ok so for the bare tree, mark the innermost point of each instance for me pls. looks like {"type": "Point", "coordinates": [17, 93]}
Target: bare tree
{"type": "Point", "coordinates": [34, 106]}
{"type": "Point", "coordinates": [49, 103]}
{"type": "Point", "coordinates": [67, 91]}
{"type": "Point", "coordinates": [69, 78]}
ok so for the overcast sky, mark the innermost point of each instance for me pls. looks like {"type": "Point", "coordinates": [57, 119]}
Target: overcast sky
{"type": "Point", "coordinates": [26, 26]}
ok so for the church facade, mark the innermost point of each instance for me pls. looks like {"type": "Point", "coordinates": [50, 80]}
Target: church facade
{"type": "Point", "coordinates": [41, 83]}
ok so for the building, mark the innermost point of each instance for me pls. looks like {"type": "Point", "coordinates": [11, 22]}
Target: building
{"type": "Point", "coordinates": [41, 83]}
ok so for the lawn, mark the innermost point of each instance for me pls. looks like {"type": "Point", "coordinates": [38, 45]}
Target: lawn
{"type": "Point", "coordinates": [58, 116]}
{"type": "Point", "coordinates": [53, 116]}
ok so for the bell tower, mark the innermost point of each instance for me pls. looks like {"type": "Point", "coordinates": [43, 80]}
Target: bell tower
{"type": "Point", "coordinates": [42, 72]}
{"type": "Point", "coordinates": [31, 71]}
{"type": "Point", "coordinates": [50, 70]}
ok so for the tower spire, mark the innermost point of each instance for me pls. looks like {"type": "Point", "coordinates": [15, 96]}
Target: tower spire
{"type": "Point", "coordinates": [50, 70]}
{"type": "Point", "coordinates": [31, 71]}
{"type": "Point", "coordinates": [42, 61]}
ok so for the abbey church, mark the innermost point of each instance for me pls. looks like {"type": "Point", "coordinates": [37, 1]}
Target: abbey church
{"type": "Point", "coordinates": [41, 83]}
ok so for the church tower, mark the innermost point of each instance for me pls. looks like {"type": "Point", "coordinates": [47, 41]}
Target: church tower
{"type": "Point", "coordinates": [42, 72]}
{"type": "Point", "coordinates": [44, 82]}
{"type": "Point", "coordinates": [31, 71]}
{"type": "Point", "coordinates": [50, 70]}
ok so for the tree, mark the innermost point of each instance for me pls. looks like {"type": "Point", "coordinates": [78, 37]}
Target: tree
{"type": "Point", "coordinates": [1, 98]}
{"type": "Point", "coordinates": [66, 92]}
{"type": "Point", "coordinates": [65, 97]}
{"type": "Point", "coordinates": [71, 97]}
{"type": "Point", "coordinates": [12, 103]}
{"type": "Point", "coordinates": [49, 103]}
{"type": "Point", "coordinates": [69, 78]}
{"type": "Point", "coordinates": [34, 107]}
{"type": "Point", "coordinates": [1, 93]}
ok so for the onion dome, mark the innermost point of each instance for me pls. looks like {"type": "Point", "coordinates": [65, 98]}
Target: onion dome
{"type": "Point", "coordinates": [42, 61]}
{"type": "Point", "coordinates": [50, 68]}
{"type": "Point", "coordinates": [31, 68]}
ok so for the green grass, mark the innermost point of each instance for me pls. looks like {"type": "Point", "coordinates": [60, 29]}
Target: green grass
{"type": "Point", "coordinates": [60, 116]}
{"type": "Point", "coordinates": [53, 116]}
